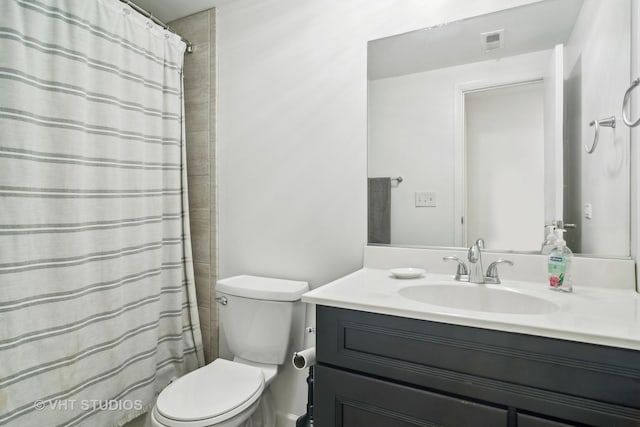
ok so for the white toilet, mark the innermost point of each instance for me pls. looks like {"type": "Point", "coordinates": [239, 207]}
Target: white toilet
{"type": "Point", "coordinates": [257, 315]}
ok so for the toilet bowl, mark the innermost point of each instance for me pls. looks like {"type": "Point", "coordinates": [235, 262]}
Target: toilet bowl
{"type": "Point", "coordinates": [259, 313]}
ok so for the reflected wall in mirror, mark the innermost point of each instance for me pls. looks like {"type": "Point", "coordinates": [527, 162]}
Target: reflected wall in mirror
{"type": "Point", "coordinates": [486, 120]}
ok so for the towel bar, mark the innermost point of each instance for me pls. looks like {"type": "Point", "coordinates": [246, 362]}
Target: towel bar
{"type": "Point", "coordinates": [609, 122]}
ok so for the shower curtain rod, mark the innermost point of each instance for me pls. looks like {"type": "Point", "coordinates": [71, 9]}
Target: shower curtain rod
{"type": "Point", "coordinates": [148, 14]}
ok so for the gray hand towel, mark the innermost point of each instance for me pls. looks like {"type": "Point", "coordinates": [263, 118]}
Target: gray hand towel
{"type": "Point", "coordinates": [379, 210]}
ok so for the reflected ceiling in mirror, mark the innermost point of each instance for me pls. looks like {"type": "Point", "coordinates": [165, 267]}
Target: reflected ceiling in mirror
{"type": "Point", "coordinates": [485, 119]}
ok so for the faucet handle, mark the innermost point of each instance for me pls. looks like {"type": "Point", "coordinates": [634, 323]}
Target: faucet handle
{"type": "Point", "coordinates": [462, 267]}
{"type": "Point", "coordinates": [492, 271]}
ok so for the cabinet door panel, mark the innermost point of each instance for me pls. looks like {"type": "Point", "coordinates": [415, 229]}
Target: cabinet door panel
{"type": "Point", "coordinates": [345, 399]}
{"type": "Point", "coordinates": [357, 416]}
{"type": "Point", "coordinates": [532, 421]}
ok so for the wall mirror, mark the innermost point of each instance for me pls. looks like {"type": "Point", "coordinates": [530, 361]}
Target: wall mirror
{"type": "Point", "coordinates": [478, 128]}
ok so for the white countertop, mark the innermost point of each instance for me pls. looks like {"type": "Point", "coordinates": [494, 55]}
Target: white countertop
{"type": "Point", "coordinates": [592, 315]}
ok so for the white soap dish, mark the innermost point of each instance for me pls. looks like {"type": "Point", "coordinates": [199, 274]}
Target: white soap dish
{"type": "Point", "coordinates": [407, 273]}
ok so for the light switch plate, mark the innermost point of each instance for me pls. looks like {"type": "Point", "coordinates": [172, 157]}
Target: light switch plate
{"type": "Point", "coordinates": [425, 199]}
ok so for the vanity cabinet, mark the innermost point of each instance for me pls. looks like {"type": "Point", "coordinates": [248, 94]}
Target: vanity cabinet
{"type": "Point", "coordinates": [379, 370]}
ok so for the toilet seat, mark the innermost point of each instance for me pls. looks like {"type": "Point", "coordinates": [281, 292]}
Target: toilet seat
{"type": "Point", "coordinates": [210, 395]}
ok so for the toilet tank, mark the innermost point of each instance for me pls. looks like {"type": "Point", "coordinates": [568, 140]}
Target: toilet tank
{"type": "Point", "coordinates": [258, 316]}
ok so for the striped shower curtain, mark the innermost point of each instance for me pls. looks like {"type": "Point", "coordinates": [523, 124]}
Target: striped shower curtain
{"type": "Point", "coordinates": [97, 297]}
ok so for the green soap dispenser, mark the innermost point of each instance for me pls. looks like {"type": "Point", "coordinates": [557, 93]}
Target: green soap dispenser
{"type": "Point", "coordinates": [560, 264]}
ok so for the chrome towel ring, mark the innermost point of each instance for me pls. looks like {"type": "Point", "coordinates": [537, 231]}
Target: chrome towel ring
{"type": "Point", "coordinates": [625, 103]}
{"type": "Point", "coordinates": [609, 122]}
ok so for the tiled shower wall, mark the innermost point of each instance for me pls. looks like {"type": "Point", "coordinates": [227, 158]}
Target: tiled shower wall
{"type": "Point", "coordinates": [200, 106]}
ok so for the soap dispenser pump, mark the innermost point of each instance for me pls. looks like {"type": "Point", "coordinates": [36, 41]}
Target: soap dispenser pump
{"type": "Point", "coordinates": [560, 264]}
{"type": "Point", "coordinates": [550, 239]}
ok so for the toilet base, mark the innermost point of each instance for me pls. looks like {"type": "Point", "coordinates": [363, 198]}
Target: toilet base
{"type": "Point", "coordinates": [265, 414]}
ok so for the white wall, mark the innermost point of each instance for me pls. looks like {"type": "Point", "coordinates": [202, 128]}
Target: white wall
{"type": "Point", "coordinates": [411, 123]}
{"type": "Point", "coordinates": [505, 166]}
{"type": "Point", "coordinates": [600, 46]}
{"type": "Point", "coordinates": [292, 133]}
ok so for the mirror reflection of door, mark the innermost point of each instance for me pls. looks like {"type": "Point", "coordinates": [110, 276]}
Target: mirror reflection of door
{"type": "Point", "coordinates": [504, 131]}
{"type": "Point", "coordinates": [553, 137]}
{"type": "Point", "coordinates": [513, 129]}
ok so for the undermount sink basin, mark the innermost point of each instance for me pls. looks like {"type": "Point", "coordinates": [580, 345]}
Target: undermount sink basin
{"type": "Point", "coordinates": [475, 297]}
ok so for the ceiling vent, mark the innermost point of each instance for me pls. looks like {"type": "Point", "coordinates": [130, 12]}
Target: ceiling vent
{"type": "Point", "coordinates": [492, 40]}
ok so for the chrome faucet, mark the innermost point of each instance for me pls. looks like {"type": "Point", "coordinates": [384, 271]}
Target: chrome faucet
{"type": "Point", "coordinates": [476, 273]}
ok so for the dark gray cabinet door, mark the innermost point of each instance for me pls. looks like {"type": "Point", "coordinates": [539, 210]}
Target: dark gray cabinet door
{"type": "Point", "coordinates": [352, 400]}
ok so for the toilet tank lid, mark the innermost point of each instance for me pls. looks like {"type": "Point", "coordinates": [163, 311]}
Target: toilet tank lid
{"type": "Point", "coordinates": [263, 288]}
